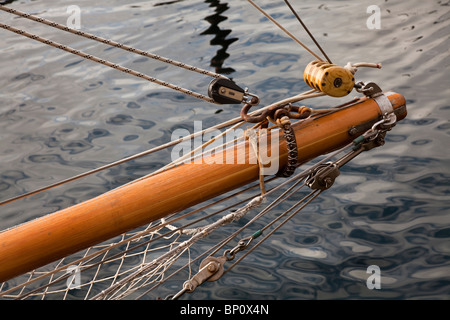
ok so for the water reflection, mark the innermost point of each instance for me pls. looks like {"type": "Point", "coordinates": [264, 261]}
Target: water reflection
{"type": "Point", "coordinates": [220, 38]}
{"type": "Point", "coordinates": [166, 3]}
{"type": "Point", "coordinates": [7, 2]}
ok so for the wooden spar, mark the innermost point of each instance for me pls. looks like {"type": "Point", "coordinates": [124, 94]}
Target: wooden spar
{"type": "Point", "coordinates": [52, 237]}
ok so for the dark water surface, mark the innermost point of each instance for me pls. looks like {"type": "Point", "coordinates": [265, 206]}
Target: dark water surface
{"type": "Point", "coordinates": [61, 116]}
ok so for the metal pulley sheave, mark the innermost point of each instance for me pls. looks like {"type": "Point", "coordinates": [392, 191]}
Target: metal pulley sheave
{"type": "Point", "coordinates": [323, 177]}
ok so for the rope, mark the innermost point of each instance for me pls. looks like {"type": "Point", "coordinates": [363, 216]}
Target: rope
{"type": "Point", "coordinates": [107, 63]}
{"type": "Point", "coordinates": [111, 43]}
{"type": "Point", "coordinates": [253, 139]}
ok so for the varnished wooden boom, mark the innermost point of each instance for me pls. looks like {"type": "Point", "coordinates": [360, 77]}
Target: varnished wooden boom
{"type": "Point", "coordinates": [41, 241]}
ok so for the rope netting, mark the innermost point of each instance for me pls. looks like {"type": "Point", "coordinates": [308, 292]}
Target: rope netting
{"type": "Point", "coordinates": [135, 264]}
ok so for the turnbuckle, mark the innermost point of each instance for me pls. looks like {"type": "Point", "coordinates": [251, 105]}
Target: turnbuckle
{"type": "Point", "coordinates": [212, 268]}
{"type": "Point", "coordinates": [323, 177]}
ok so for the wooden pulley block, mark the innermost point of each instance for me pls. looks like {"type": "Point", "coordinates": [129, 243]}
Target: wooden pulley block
{"type": "Point", "coordinates": [328, 78]}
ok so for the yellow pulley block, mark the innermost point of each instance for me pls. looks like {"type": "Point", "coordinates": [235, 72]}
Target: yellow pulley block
{"type": "Point", "coordinates": [331, 79]}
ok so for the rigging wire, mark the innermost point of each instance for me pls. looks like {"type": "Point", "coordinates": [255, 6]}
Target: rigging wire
{"type": "Point", "coordinates": [307, 30]}
{"type": "Point", "coordinates": [284, 29]}
{"type": "Point", "coordinates": [303, 202]}
{"type": "Point", "coordinates": [110, 165]}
